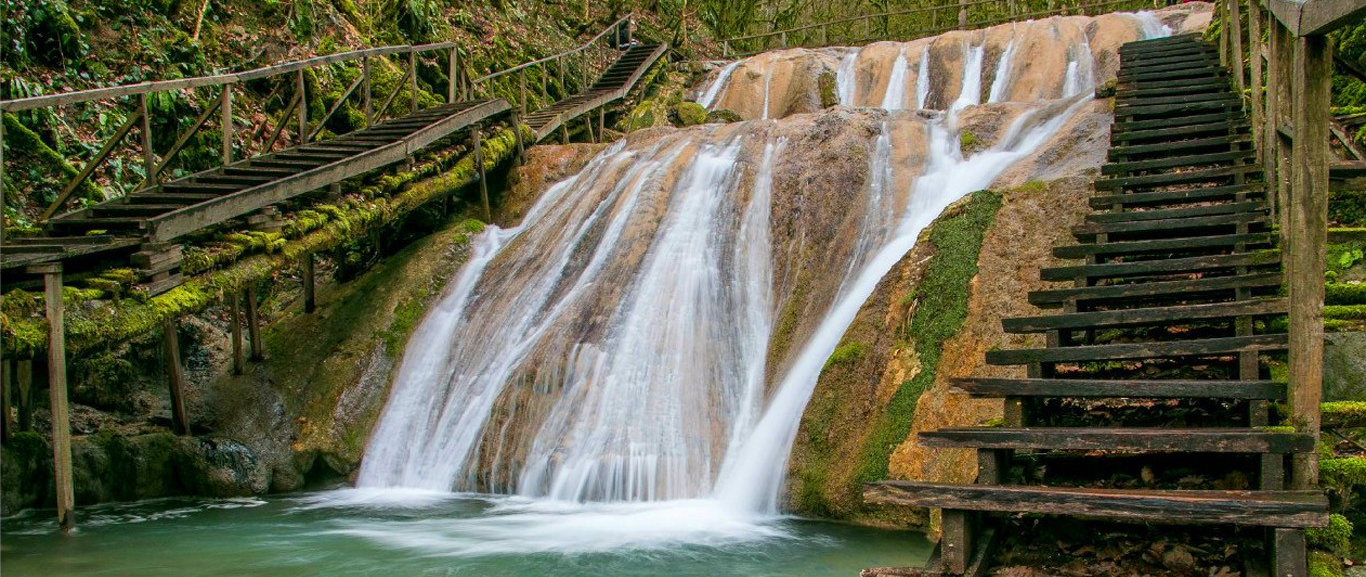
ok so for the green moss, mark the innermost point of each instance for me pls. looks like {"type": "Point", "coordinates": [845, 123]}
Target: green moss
{"type": "Point", "coordinates": [1344, 414]}
{"type": "Point", "coordinates": [846, 353]}
{"type": "Point", "coordinates": [1336, 538]}
{"type": "Point", "coordinates": [1323, 564]}
{"type": "Point", "coordinates": [939, 314]}
{"type": "Point", "coordinates": [723, 116]}
{"type": "Point", "coordinates": [19, 140]}
{"type": "Point", "coordinates": [1342, 474]}
{"type": "Point", "coordinates": [1345, 294]}
{"type": "Point", "coordinates": [968, 142]}
{"type": "Point", "coordinates": [828, 86]}
{"type": "Point", "coordinates": [472, 226]}
{"type": "Point", "coordinates": [1033, 187]}
{"type": "Point", "coordinates": [690, 113]}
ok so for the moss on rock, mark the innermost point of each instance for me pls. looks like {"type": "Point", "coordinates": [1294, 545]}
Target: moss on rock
{"type": "Point", "coordinates": [828, 86]}
{"type": "Point", "coordinates": [690, 113]}
{"type": "Point", "coordinates": [723, 116]}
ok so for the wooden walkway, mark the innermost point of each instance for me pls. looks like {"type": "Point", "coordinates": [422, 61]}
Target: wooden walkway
{"type": "Point", "coordinates": [1178, 271]}
{"type": "Point", "coordinates": [141, 225]}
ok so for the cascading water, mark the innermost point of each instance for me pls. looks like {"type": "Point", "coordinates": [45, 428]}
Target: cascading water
{"type": "Point", "coordinates": [895, 97]}
{"type": "Point", "coordinates": [709, 95]}
{"type": "Point", "coordinates": [610, 360]}
{"type": "Point", "coordinates": [846, 77]}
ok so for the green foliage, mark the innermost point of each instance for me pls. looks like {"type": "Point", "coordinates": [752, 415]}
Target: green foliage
{"type": "Point", "coordinates": [1323, 564]}
{"type": "Point", "coordinates": [967, 142]}
{"type": "Point", "coordinates": [723, 116]}
{"type": "Point", "coordinates": [941, 309]}
{"type": "Point", "coordinates": [1342, 474]}
{"type": "Point", "coordinates": [828, 86]}
{"type": "Point", "coordinates": [1336, 538]}
{"type": "Point", "coordinates": [846, 353]}
{"type": "Point", "coordinates": [1344, 414]}
{"type": "Point", "coordinates": [1348, 208]}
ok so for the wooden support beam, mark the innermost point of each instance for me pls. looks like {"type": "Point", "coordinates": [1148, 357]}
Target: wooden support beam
{"type": "Point", "coordinates": [301, 86]}
{"type": "Point", "coordinates": [56, 381]}
{"type": "Point", "coordinates": [149, 157]}
{"type": "Point", "coordinates": [478, 146]}
{"type": "Point", "coordinates": [1235, 20]}
{"type": "Point", "coordinates": [412, 80]}
{"type": "Point", "coordinates": [1255, 50]}
{"type": "Point", "coordinates": [254, 326]}
{"type": "Point", "coordinates": [517, 134]}
{"type": "Point", "coordinates": [225, 107]}
{"type": "Point", "coordinates": [24, 380]}
{"type": "Point", "coordinates": [366, 95]}
{"type": "Point", "coordinates": [235, 324]}
{"type": "Point", "coordinates": [6, 399]}
{"type": "Point", "coordinates": [90, 167]}
{"type": "Point", "coordinates": [602, 121]}
{"type": "Point", "coordinates": [452, 74]}
{"type": "Point", "coordinates": [1308, 219]}
{"type": "Point", "coordinates": [175, 377]}
{"type": "Point", "coordinates": [1289, 554]}
{"type": "Point", "coordinates": [310, 300]}
{"type": "Point", "coordinates": [1280, 89]}
{"type": "Point", "coordinates": [955, 542]}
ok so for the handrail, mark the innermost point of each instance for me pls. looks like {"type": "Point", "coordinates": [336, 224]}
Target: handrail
{"type": "Point", "coordinates": [610, 28]}
{"type": "Point", "coordinates": [93, 94]}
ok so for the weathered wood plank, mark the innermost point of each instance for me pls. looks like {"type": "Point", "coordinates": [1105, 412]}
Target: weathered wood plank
{"type": "Point", "coordinates": [1165, 266]}
{"type": "Point", "coordinates": [1172, 289]}
{"type": "Point", "coordinates": [1254, 508]}
{"type": "Point", "coordinates": [1162, 245]}
{"type": "Point", "coordinates": [1120, 388]}
{"type": "Point", "coordinates": [1175, 315]}
{"type": "Point", "coordinates": [1253, 208]}
{"type": "Point", "coordinates": [1124, 351]}
{"type": "Point", "coordinates": [1174, 197]}
{"type": "Point", "coordinates": [1172, 178]}
{"type": "Point", "coordinates": [1156, 439]}
{"type": "Point", "coordinates": [1177, 161]}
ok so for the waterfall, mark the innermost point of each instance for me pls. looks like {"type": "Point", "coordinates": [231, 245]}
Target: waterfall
{"type": "Point", "coordinates": [846, 78]}
{"type": "Point", "coordinates": [1002, 78]}
{"type": "Point", "coordinates": [709, 95]}
{"type": "Point", "coordinates": [922, 79]}
{"type": "Point", "coordinates": [608, 361]}
{"type": "Point", "coordinates": [895, 97]}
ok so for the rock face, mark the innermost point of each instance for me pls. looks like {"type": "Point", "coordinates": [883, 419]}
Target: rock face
{"type": "Point", "coordinates": [1344, 367]}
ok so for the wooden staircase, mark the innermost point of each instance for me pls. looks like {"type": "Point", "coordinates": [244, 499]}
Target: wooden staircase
{"type": "Point", "coordinates": [1179, 269]}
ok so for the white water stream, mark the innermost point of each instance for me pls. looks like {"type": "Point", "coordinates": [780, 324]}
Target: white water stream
{"type": "Point", "coordinates": [635, 307]}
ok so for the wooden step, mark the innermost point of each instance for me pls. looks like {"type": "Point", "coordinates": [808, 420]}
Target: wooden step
{"type": "Point", "coordinates": [179, 198]}
{"type": "Point", "coordinates": [1252, 508]}
{"type": "Point", "coordinates": [1211, 87]}
{"type": "Point", "coordinates": [241, 181]}
{"type": "Point", "coordinates": [1175, 178]}
{"type": "Point", "coordinates": [1142, 76]}
{"type": "Point", "coordinates": [1171, 52]}
{"type": "Point", "coordinates": [187, 187]}
{"type": "Point", "coordinates": [1138, 125]}
{"type": "Point", "coordinates": [1162, 266]}
{"type": "Point", "coordinates": [1219, 346]}
{"type": "Point", "coordinates": [121, 223]}
{"type": "Point", "coordinates": [1194, 440]}
{"type": "Point", "coordinates": [1171, 225]}
{"type": "Point", "coordinates": [1166, 65]}
{"type": "Point", "coordinates": [261, 171]}
{"type": "Point", "coordinates": [1205, 159]}
{"type": "Point", "coordinates": [1173, 315]}
{"type": "Point", "coordinates": [1177, 197]}
{"type": "Point", "coordinates": [1125, 85]}
{"type": "Point", "coordinates": [297, 165]}
{"type": "Point", "coordinates": [1180, 99]}
{"type": "Point", "coordinates": [1121, 388]}
{"type": "Point", "coordinates": [1252, 207]}
{"type": "Point", "coordinates": [1162, 245]}
{"type": "Point", "coordinates": [126, 210]}
{"type": "Point", "coordinates": [1181, 110]}
{"type": "Point", "coordinates": [1175, 289]}
{"type": "Point", "coordinates": [1204, 129]}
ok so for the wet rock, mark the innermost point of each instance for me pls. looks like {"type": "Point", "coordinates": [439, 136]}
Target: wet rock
{"type": "Point", "coordinates": [1344, 367]}
{"type": "Point", "coordinates": [689, 113]}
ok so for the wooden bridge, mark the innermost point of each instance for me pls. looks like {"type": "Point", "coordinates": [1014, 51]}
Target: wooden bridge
{"type": "Point", "coordinates": [1178, 301]}
{"type": "Point", "coordinates": [145, 227]}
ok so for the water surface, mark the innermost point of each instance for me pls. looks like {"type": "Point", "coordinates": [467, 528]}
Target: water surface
{"type": "Point", "coordinates": [353, 533]}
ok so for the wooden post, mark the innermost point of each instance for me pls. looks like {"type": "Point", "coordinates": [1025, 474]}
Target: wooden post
{"type": "Point", "coordinates": [149, 158]}
{"type": "Point", "coordinates": [564, 90]}
{"type": "Point", "coordinates": [1221, 11]}
{"type": "Point", "coordinates": [602, 120]}
{"type": "Point", "coordinates": [521, 80]}
{"type": "Point", "coordinates": [6, 399]}
{"type": "Point", "coordinates": [56, 382]}
{"type": "Point", "coordinates": [226, 109]}
{"type": "Point", "coordinates": [962, 14]}
{"type": "Point", "coordinates": [1308, 218]}
{"type": "Point", "coordinates": [365, 95]}
{"type": "Point", "coordinates": [479, 167]}
{"type": "Point", "coordinates": [235, 310]}
{"type": "Point", "coordinates": [24, 376]}
{"type": "Point", "coordinates": [2, 175]}
{"type": "Point", "coordinates": [180, 420]}
{"type": "Point", "coordinates": [302, 87]}
{"type": "Point", "coordinates": [1289, 553]}
{"type": "Point", "coordinates": [564, 132]}
{"type": "Point", "coordinates": [1282, 48]}
{"type": "Point", "coordinates": [588, 126]}
{"type": "Point", "coordinates": [452, 75]}
{"type": "Point", "coordinates": [412, 78]}
{"type": "Point", "coordinates": [310, 301]}
{"type": "Point", "coordinates": [955, 543]}
{"type": "Point", "coordinates": [254, 326]}
{"type": "Point", "coordinates": [1235, 20]}
{"type": "Point", "coordinates": [517, 135]}
{"type": "Point", "coordinates": [1254, 33]}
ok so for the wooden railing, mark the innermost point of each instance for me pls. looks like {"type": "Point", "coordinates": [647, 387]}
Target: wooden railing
{"type": "Point", "coordinates": [589, 59]}
{"type": "Point", "coordinates": [1282, 61]}
{"type": "Point", "coordinates": [291, 123]}
{"type": "Point", "coordinates": [916, 23]}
